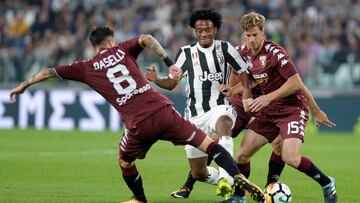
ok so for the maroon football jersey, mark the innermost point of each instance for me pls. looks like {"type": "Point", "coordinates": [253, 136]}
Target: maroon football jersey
{"type": "Point", "coordinates": [256, 91]}
{"type": "Point", "coordinates": [115, 75]}
{"type": "Point", "coordinates": [271, 68]}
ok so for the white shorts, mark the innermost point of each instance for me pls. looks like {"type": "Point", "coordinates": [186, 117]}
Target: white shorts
{"type": "Point", "coordinates": [207, 122]}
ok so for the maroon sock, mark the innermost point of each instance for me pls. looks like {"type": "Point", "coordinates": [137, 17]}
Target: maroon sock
{"type": "Point", "coordinates": [244, 169]}
{"type": "Point", "coordinates": [276, 166]}
{"type": "Point", "coordinates": [134, 182]}
{"type": "Point", "coordinates": [308, 167]}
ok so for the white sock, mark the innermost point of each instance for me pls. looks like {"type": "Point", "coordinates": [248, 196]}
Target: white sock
{"type": "Point", "coordinates": [213, 175]}
{"type": "Point", "coordinates": [228, 143]}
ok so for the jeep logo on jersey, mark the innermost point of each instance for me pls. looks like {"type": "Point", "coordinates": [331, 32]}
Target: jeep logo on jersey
{"type": "Point", "coordinates": [211, 77]}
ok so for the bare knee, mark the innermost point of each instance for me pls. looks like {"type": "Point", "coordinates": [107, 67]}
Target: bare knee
{"type": "Point", "coordinates": [291, 152]}
{"type": "Point", "coordinates": [125, 164]}
{"type": "Point", "coordinates": [242, 157]}
{"type": "Point", "coordinates": [223, 126]}
{"type": "Point", "coordinates": [276, 145]}
{"type": "Point", "coordinates": [292, 159]}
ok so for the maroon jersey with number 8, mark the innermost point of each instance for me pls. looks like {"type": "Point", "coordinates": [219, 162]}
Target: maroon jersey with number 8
{"type": "Point", "coordinates": [115, 75]}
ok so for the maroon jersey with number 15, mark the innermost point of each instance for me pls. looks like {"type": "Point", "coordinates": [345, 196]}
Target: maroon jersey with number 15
{"type": "Point", "coordinates": [115, 75]}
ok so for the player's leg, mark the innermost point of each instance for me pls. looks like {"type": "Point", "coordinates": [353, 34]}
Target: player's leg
{"type": "Point", "coordinates": [223, 129]}
{"type": "Point", "coordinates": [249, 145]}
{"type": "Point", "coordinates": [185, 190]}
{"type": "Point", "coordinates": [196, 158]}
{"type": "Point", "coordinates": [276, 164]}
{"type": "Point", "coordinates": [224, 160]}
{"type": "Point", "coordinates": [291, 156]}
{"type": "Point", "coordinates": [292, 125]}
{"type": "Point", "coordinates": [135, 143]}
{"type": "Point", "coordinates": [215, 122]}
{"type": "Point", "coordinates": [183, 131]}
{"type": "Point", "coordinates": [201, 172]}
{"type": "Point", "coordinates": [221, 121]}
{"type": "Point", "coordinates": [132, 179]}
{"type": "Point", "coordinates": [260, 131]}
{"type": "Point", "coordinates": [242, 119]}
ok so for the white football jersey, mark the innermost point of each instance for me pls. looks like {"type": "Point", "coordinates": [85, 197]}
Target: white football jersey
{"type": "Point", "coordinates": [205, 69]}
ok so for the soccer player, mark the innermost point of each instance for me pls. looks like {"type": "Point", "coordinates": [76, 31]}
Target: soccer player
{"type": "Point", "coordinates": [246, 151]}
{"type": "Point", "coordinates": [148, 115]}
{"type": "Point", "coordinates": [282, 109]}
{"type": "Point", "coordinates": [206, 65]}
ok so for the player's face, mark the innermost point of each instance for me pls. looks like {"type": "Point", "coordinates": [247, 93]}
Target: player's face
{"type": "Point", "coordinates": [254, 38]}
{"type": "Point", "coordinates": [205, 32]}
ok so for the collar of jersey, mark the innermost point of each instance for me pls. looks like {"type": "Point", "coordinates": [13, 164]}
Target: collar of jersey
{"type": "Point", "coordinates": [205, 50]}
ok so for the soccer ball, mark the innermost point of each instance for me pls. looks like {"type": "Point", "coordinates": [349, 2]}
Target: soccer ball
{"type": "Point", "coordinates": [277, 193]}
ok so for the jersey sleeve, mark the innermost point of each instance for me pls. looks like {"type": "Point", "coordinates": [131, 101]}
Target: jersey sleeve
{"type": "Point", "coordinates": [234, 58]}
{"type": "Point", "coordinates": [74, 71]}
{"type": "Point", "coordinates": [133, 47]}
{"type": "Point", "coordinates": [281, 60]}
{"type": "Point", "coordinates": [182, 60]}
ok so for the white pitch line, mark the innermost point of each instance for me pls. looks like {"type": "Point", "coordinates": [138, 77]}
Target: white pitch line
{"type": "Point", "coordinates": [51, 154]}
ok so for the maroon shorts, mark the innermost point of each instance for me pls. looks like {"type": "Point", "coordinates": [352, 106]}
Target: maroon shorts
{"type": "Point", "coordinates": [165, 124]}
{"type": "Point", "coordinates": [242, 118]}
{"type": "Point", "coordinates": [289, 122]}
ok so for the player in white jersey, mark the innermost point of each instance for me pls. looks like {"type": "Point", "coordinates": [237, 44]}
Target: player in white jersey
{"type": "Point", "coordinates": [206, 65]}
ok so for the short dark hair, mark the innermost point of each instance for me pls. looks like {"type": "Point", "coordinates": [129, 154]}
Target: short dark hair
{"type": "Point", "coordinates": [206, 14]}
{"type": "Point", "coordinates": [99, 34]}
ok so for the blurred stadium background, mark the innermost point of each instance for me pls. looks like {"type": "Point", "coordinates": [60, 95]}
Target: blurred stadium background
{"type": "Point", "coordinates": [322, 37]}
{"type": "Point", "coordinates": [36, 165]}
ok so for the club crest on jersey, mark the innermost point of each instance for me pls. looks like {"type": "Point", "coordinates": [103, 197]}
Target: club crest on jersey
{"type": "Point", "coordinates": [221, 59]}
{"type": "Point", "coordinates": [263, 61]}
{"type": "Point", "coordinates": [219, 55]}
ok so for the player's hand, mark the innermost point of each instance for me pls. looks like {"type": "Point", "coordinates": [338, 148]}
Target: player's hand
{"type": "Point", "coordinates": [175, 72]}
{"type": "Point", "coordinates": [225, 90]}
{"type": "Point", "coordinates": [259, 103]}
{"type": "Point", "coordinates": [246, 103]}
{"type": "Point", "coordinates": [151, 73]}
{"type": "Point", "coordinates": [320, 117]}
{"type": "Point", "coordinates": [17, 90]}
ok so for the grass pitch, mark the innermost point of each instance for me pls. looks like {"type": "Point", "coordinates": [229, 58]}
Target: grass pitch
{"type": "Point", "coordinates": [49, 166]}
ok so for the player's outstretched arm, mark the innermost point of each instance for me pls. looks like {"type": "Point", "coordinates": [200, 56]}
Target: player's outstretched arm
{"type": "Point", "coordinates": [320, 117]}
{"type": "Point", "coordinates": [146, 40]}
{"type": "Point", "coordinates": [169, 82]}
{"type": "Point", "coordinates": [38, 77]}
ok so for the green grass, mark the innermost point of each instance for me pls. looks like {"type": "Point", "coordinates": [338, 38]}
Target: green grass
{"type": "Point", "coordinates": [47, 166]}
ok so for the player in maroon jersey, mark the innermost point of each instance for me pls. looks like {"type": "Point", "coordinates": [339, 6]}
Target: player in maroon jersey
{"type": "Point", "coordinates": [282, 109]}
{"type": "Point", "coordinates": [148, 115]}
{"type": "Point", "coordinates": [247, 149]}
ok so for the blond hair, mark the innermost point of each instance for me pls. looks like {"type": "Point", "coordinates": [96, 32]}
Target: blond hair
{"type": "Point", "coordinates": [251, 20]}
